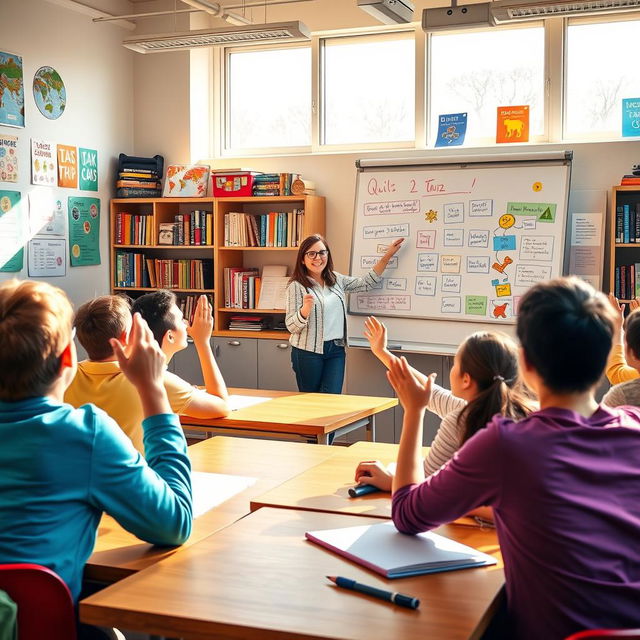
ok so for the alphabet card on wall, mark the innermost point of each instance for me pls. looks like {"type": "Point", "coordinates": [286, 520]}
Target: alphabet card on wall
{"type": "Point", "coordinates": [88, 169]}
{"type": "Point", "coordinates": [44, 165]}
{"type": "Point", "coordinates": [67, 166]}
{"type": "Point", "coordinates": [477, 236]}
{"type": "Point", "coordinates": [513, 124]}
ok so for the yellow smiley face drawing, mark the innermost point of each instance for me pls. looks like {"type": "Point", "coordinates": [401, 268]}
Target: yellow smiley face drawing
{"type": "Point", "coordinates": [506, 221]}
{"type": "Point", "coordinates": [537, 186]}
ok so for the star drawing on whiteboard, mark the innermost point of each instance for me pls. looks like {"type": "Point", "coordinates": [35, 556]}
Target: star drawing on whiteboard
{"type": "Point", "coordinates": [431, 215]}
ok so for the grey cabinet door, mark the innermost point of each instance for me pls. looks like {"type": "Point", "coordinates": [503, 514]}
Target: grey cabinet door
{"type": "Point", "coordinates": [238, 361]}
{"type": "Point", "coordinates": [274, 366]}
{"type": "Point", "coordinates": [186, 364]}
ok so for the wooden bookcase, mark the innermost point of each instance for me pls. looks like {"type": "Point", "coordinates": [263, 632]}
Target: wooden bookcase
{"type": "Point", "coordinates": [621, 253]}
{"type": "Point", "coordinates": [160, 210]}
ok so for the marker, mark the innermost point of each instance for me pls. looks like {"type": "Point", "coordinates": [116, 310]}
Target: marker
{"type": "Point", "coordinates": [362, 490]}
{"type": "Point", "coordinates": [389, 596]}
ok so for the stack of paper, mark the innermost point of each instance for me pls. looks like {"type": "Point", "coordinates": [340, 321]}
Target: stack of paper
{"type": "Point", "coordinates": [274, 284]}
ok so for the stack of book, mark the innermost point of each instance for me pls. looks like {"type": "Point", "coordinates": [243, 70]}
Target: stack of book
{"type": "Point", "coordinates": [241, 287]}
{"type": "Point", "coordinates": [133, 229]}
{"type": "Point", "coordinates": [188, 304]}
{"type": "Point", "coordinates": [275, 229]}
{"type": "Point", "coordinates": [630, 178]}
{"type": "Point", "coordinates": [628, 223]}
{"type": "Point", "coordinates": [187, 229]}
{"type": "Point", "coordinates": [138, 183]}
{"type": "Point", "coordinates": [626, 281]}
{"type": "Point", "coordinates": [249, 323]}
{"type": "Point", "coordinates": [273, 184]}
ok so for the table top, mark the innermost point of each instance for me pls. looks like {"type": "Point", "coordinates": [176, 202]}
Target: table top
{"type": "Point", "coordinates": [301, 413]}
{"type": "Point", "coordinates": [324, 487]}
{"type": "Point", "coordinates": [118, 553]}
{"type": "Point", "coordinates": [259, 579]}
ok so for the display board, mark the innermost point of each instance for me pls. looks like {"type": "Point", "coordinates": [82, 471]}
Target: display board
{"type": "Point", "coordinates": [478, 233]}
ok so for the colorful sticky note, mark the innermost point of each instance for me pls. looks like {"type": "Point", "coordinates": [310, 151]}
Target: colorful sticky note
{"type": "Point", "coordinates": [504, 243]}
{"type": "Point", "coordinates": [475, 305]}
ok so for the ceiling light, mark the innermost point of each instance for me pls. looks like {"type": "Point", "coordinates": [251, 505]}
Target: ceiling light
{"type": "Point", "coordinates": [522, 10]}
{"type": "Point", "coordinates": [389, 11]}
{"type": "Point", "coordinates": [252, 34]}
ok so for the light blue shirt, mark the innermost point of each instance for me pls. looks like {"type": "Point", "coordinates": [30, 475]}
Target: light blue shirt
{"type": "Point", "coordinates": [333, 315]}
{"type": "Point", "coordinates": [61, 467]}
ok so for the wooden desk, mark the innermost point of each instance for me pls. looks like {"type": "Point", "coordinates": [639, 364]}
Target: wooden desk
{"type": "Point", "coordinates": [119, 553]}
{"type": "Point", "coordinates": [259, 579]}
{"type": "Point", "coordinates": [291, 415]}
{"type": "Point", "coordinates": [324, 487]}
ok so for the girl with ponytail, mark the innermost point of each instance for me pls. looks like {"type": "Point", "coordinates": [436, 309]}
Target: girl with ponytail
{"type": "Point", "coordinates": [484, 381]}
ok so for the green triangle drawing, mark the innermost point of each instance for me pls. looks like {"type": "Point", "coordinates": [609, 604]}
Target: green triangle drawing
{"type": "Point", "coordinates": [546, 215]}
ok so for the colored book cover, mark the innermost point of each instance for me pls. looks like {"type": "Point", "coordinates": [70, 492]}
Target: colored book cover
{"type": "Point", "coordinates": [630, 117]}
{"type": "Point", "coordinates": [186, 181]}
{"type": "Point", "coordinates": [513, 124]}
{"type": "Point", "coordinates": [452, 128]}
{"type": "Point", "coordinates": [67, 166]}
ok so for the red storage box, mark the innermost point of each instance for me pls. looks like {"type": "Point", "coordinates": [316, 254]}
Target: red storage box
{"type": "Point", "coordinates": [232, 184]}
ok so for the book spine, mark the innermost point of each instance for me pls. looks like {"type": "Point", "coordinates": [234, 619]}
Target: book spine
{"type": "Point", "coordinates": [626, 227]}
{"type": "Point", "coordinates": [619, 223]}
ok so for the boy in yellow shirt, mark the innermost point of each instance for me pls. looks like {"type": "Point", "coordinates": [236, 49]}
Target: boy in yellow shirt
{"type": "Point", "coordinates": [99, 379]}
{"type": "Point", "coordinates": [617, 369]}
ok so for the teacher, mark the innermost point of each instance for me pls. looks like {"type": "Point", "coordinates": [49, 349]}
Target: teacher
{"type": "Point", "coordinates": [317, 313]}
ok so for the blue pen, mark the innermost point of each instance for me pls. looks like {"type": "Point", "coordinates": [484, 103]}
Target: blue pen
{"type": "Point", "coordinates": [362, 490]}
{"type": "Point", "coordinates": [389, 596]}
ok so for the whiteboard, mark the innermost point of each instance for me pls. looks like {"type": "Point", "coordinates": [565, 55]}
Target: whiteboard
{"type": "Point", "coordinates": [478, 233]}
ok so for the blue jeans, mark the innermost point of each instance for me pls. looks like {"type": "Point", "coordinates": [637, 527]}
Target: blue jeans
{"type": "Point", "coordinates": [319, 372]}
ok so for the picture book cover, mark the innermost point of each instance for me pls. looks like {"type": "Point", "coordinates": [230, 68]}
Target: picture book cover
{"type": "Point", "coordinates": [513, 124]}
{"type": "Point", "coordinates": [383, 549]}
{"type": "Point", "coordinates": [186, 181]}
{"type": "Point", "coordinates": [452, 128]}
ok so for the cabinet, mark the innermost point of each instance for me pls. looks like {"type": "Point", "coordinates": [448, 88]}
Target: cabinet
{"type": "Point", "coordinates": [624, 279]}
{"type": "Point", "coordinates": [200, 268]}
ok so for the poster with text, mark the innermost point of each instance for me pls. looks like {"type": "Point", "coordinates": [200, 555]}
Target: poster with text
{"type": "Point", "coordinates": [67, 166]}
{"type": "Point", "coordinates": [88, 169]}
{"type": "Point", "coordinates": [513, 124]}
{"type": "Point", "coordinates": [8, 158]}
{"type": "Point", "coordinates": [46, 213]}
{"type": "Point", "coordinates": [47, 258]}
{"type": "Point", "coordinates": [452, 128]}
{"type": "Point", "coordinates": [11, 90]}
{"type": "Point", "coordinates": [84, 231]}
{"type": "Point", "coordinates": [630, 117]}
{"type": "Point", "coordinates": [11, 251]}
{"type": "Point", "coordinates": [43, 163]}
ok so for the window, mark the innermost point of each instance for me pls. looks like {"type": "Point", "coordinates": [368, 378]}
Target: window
{"type": "Point", "coordinates": [480, 71]}
{"type": "Point", "coordinates": [368, 89]}
{"type": "Point", "coordinates": [269, 98]}
{"type": "Point", "coordinates": [602, 70]}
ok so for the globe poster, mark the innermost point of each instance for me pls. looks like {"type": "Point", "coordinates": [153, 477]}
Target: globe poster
{"type": "Point", "coordinates": [11, 90]}
{"type": "Point", "coordinates": [49, 93]}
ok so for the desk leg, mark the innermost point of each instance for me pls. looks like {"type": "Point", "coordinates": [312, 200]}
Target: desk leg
{"type": "Point", "coordinates": [323, 438]}
{"type": "Point", "coordinates": [371, 429]}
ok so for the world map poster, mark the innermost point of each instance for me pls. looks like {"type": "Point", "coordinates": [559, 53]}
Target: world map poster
{"type": "Point", "coordinates": [11, 90]}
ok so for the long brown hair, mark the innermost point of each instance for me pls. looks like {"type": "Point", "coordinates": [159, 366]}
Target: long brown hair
{"type": "Point", "coordinates": [491, 360]}
{"type": "Point", "coordinates": [301, 273]}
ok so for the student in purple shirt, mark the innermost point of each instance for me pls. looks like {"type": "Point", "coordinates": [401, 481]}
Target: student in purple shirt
{"type": "Point", "coordinates": [564, 483]}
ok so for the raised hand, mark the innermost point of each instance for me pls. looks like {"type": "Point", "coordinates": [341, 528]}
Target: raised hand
{"type": "Point", "coordinates": [414, 392]}
{"type": "Point", "coordinates": [393, 248]}
{"type": "Point", "coordinates": [619, 316]}
{"type": "Point", "coordinates": [376, 333]}
{"type": "Point", "coordinates": [202, 325]}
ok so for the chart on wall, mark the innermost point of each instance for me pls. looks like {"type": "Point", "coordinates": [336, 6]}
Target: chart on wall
{"type": "Point", "coordinates": [477, 235]}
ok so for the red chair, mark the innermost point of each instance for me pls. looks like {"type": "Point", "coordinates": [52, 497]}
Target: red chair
{"type": "Point", "coordinates": [45, 605]}
{"type": "Point", "coordinates": [603, 634]}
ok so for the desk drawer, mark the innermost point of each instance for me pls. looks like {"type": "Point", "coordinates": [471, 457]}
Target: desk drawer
{"type": "Point", "coordinates": [238, 361]}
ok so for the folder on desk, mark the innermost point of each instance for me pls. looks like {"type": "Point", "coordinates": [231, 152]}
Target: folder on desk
{"type": "Point", "coordinates": [383, 549]}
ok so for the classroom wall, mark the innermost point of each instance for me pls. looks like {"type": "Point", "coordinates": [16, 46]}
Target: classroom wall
{"type": "Point", "coordinates": [98, 76]}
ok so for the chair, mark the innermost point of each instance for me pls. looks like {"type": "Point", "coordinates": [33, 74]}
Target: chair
{"type": "Point", "coordinates": [603, 634]}
{"type": "Point", "coordinates": [45, 605]}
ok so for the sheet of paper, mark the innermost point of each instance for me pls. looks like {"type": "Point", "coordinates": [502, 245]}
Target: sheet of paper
{"type": "Point", "coordinates": [212, 489]}
{"type": "Point", "coordinates": [272, 292]}
{"type": "Point", "coordinates": [278, 270]}
{"type": "Point", "coordinates": [241, 402]}
{"type": "Point", "coordinates": [47, 257]}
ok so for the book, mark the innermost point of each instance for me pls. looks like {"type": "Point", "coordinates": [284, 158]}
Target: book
{"type": "Point", "coordinates": [383, 549]}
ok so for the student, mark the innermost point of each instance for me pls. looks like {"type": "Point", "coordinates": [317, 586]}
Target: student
{"type": "Point", "coordinates": [484, 381]}
{"type": "Point", "coordinates": [62, 467]}
{"type": "Point", "coordinates": [316, 313]}
{"type": "Point", "coordinates": [99, 379]}
{"type": "Point", "coordinates": [564, 483]}
{"type": "Point", "coordinates": [170, 329]}
{"type": "Point", "coordinates": [617, 368]}
{"type": "Point", "coordinates": [628, 393]}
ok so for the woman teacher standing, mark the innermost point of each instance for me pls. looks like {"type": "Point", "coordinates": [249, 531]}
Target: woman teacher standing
{"type": "Point", "coordinates": [317, 313]}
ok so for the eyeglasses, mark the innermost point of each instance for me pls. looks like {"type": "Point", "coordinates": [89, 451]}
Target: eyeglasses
{"type": "Point", "coordinates": [312, 255]}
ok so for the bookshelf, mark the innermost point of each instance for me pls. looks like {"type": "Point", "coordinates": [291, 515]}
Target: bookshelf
{"type": "Point", "coordinates": [141, 242]}
{"type": "Point", "coordinates": [625, 206]}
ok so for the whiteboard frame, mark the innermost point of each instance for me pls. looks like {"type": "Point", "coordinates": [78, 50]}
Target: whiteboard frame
{"type": "Point", "coordinates": [452, 162]}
